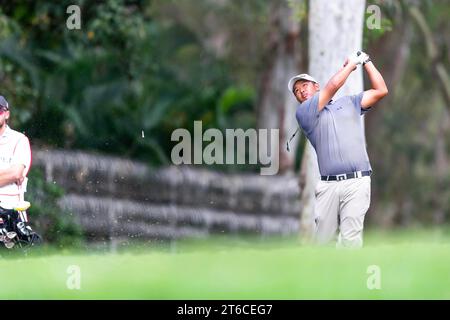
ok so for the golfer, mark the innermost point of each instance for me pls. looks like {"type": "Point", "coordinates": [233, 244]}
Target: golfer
{"type": "Point", "coordinates": [335, 130]}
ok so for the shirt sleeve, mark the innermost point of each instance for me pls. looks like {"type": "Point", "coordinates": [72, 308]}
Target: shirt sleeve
{"type": "Point", "coordinates": [356, 99]}
{"type": "Point", "coordinates": [22, 154]}
{"type": "Point", "coordinates": [308, 113]}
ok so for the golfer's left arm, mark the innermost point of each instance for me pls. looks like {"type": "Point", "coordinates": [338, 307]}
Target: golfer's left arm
{"type": "Point", "coordinates": [379, 89]}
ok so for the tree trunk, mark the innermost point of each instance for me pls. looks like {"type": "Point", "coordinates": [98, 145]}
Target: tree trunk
{"type": "Point", "coordinates": [335, 31]}
{"type": "Point", "coordinates": [276, 107]}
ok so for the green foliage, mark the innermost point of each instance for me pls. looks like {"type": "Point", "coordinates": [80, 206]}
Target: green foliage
{"type": "Point", "coordinates": [386, 22]}
{"type": "Point", "coordinates": [299, 9]}
{"type": "Point", "coordinates": [235, 108]}
{"type": "Point", "coordinates": [56, 226]}
{"type": "Point", "coordinates": [126, 72]}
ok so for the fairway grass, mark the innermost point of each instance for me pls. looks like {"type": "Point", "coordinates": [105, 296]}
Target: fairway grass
{"type": "Point", "coordinates": [415, 269]}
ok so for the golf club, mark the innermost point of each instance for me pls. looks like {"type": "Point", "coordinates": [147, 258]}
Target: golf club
{"type": "Point", "coordinates": [292, 137]}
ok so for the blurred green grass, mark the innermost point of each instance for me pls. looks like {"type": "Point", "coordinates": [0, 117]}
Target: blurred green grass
{"type": "Point", "coordinates": [413, 264]}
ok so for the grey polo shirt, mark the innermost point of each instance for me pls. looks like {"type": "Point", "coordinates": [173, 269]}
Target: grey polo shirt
{"type": "Point", "coordinates": [336, 133]}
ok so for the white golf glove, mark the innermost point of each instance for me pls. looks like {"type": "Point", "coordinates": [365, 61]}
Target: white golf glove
{"type": "Point", "coordinates": [354, 58]}
{"type": "Point", "coordinates": [363, 58]}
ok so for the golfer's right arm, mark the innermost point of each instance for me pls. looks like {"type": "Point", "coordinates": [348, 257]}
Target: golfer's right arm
{"type": "Point", "coordinates": [335, 83]}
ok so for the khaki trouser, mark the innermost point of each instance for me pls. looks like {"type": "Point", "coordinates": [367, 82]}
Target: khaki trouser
{"type": "Point", "coordinates": [341, 205]}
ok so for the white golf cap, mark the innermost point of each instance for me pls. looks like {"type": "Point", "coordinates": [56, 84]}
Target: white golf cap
{"type": "Point", "coordinates": [303, 76]}
{"type": "Point", "coordinates": [3, 103]}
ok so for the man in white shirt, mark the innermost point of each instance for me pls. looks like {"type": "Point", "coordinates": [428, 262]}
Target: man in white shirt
{"type": "Point", "coordinates": [15, 162]}
{"type": "Point", "coordinates": [15, 159]}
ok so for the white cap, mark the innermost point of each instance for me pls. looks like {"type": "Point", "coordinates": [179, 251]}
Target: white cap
{"type": "Point", "coordinates": [302, 76]}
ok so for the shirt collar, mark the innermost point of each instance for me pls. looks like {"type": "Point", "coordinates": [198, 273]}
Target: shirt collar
{"type": "Point", "coordinates": [6, 132]}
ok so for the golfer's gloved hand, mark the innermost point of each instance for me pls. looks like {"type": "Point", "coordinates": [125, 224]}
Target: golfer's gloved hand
{"type": "Point", "coordinates": [354, 59]}
{"type": "Point", "coordinates": [363, 58]}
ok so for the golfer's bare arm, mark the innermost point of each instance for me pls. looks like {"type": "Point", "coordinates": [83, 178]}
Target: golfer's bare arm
{"type": "Point", "coordinates": [13, 174]}
{"type": "Point", "coordinates": [334, 84]}
{"type": "Point", "coordinates": [379, 89]}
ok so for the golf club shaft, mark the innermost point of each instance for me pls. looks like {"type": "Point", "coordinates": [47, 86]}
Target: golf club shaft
{"type": "Point", "coordinates": [292, 137]}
